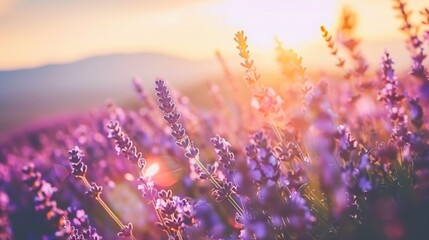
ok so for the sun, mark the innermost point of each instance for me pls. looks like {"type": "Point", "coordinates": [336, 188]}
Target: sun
{"type": "Point", "coordinates": [295, 23]}
{"type": "Point", "coordinates": [152, 170]}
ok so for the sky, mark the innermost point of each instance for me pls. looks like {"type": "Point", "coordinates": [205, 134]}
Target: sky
{"type": "Point", "coordinates": [38, 32]}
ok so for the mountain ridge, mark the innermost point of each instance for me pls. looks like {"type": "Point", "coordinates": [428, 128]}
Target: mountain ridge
{"type": "Point", "coordinates": [31, 93]}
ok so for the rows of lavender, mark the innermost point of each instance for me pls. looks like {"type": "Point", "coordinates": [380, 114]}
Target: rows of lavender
{"type": "Point", "coordinates": [313, 158]}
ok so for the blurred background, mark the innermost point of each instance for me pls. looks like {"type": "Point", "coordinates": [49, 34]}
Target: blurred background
{"type": "Point", "coordinates": [62, 57]}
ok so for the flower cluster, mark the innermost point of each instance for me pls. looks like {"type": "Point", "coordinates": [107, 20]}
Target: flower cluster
{"type": "Point", "coordinates": [124, 144]}
{"type": "Point", "coordinates": [226, 156]}
{"type": "Point", "coordinates": [261, 159]}
{"type": "Point", "coordinates": [390, 95]}
{"type": "Point", "coordinates": [77, 164]}
{"type": "Point", "coordinates": [345, 36]}
{"type": "Point", "coordinates": [43, 192]}
{"type": "Point", "coordinates": [78, 227]}
{"type": "Point", "coordinates": [291, 63]}
{"type": "Point", "coordinates": [222, 188]}
{"type": "Point", "coordinates": [79, 168]}
{"type": "Point", "coordinates": [331, 45]}
{"type": "Point", "coordinates": [177, 213]}
{"type": "Point", "coordinates": [414, 42]}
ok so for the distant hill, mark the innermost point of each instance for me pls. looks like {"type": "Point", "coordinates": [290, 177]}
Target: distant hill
{"type": "Point", "coordinates": [52, 90]}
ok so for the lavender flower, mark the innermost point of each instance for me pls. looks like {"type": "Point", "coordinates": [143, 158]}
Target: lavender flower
{"type": "Point", "coordinates": [177, 213]}
{"type": "Point", "coordinates": [345, 36]}
{"type": "Point", "coordinates": [207, 221]}
{"type": "Point", "coordinates": [142, 94]}
{"type": "Point", "coordinates": [226, 157]}
{"type": "Point", "coordinates": [346, 143]}
{"type": "Point", "coordinates": [94, 191]}
{"type": "Point", "coordinates": [89, 233]}
{"type": "Point", "coordinates": [79, 168]}
{"type": "Point", "coordinates": [416, 113]}
{"type": "Point", "coordinates": [147, 188]}
{"type": "Point", "coordinates": [393, 101]}
{"type": "Point", "coordinates": [295, 179]}
{"type": "Point", "coordinates": [300, 219]}
{"type": "Point", "coordinates": [331, 45]}
{"type": "Point", "coordinates": [124, 144]}
{"type": "Point", "coordinates": [261, 159]}
{"type": "Point", "coordinates": [126, 231]}
{"type": "Point", "coordinates": [75, 158]}
{"type": "Point", "coordinates": [43, 193]}
{"type": "Point", "coordinates": [171, 116]}
{"type": "Point", "coordinates": [414, 43]}
{"type": "Point", "coordinates": [226, 190]}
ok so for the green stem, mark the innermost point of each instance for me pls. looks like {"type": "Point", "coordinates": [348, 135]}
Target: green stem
{"type": "Point", "coordinates": [106, 208]}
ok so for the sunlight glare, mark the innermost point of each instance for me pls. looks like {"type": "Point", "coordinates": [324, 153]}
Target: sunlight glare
{"type": "Point", "coordinates": [296, 23]}
{"type": "Point", "coordinates": [151, 170]}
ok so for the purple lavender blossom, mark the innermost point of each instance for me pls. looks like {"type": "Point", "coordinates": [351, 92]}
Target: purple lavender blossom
{"type": "Point", "coordinates": [147, 188]}
{"type": "Point", "coordinates": [171, 116]}
{"type": "Point", "coordinates": [416, 113]}
{"type": "Point", "coordinates": [346, 143]}
{"type": "Point", "coordinates": [390, 95]}
{"type": "Point", "coordinates": [300, 219]}
{"type": "Point", "coordinates": [226, 157]}
{"type": "Point", "coordinates": [126, 231]}
{"type": "Point", "coordinates": [43, 193]}
{"type": "Point", "coordinates": [124, 144]}
{"type": "Point", "coordinates": [177, 214]}
{"type": "Point", "coordinates": [261, 159]}
{"type": "Point", "coordinates": [94, 191]}
{"type": "Point", "coordinates": [226, 190]}
{"type": "Point", "coordinates": [79, 168]}
{"type": "Point", "coordinates": [88, 233]}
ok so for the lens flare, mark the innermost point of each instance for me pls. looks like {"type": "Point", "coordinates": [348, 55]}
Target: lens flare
{"type": "Point", "coordinates": [152, 170]}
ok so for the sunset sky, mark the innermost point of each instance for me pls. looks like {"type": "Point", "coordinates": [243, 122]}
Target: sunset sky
{"type": "Point", "coordinates": [39, 32]}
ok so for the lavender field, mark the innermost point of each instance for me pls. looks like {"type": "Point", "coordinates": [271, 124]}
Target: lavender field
{"type": "Point", "coordinates": [304, 153]}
